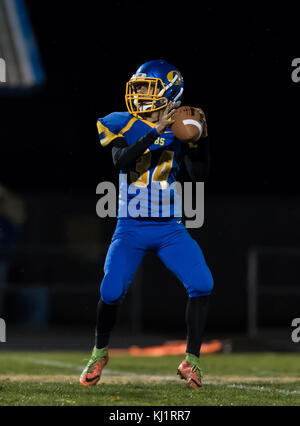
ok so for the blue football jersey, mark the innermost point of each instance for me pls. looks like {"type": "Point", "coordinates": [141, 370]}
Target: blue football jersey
{"type": "Point", "coordinates": [148, 188]}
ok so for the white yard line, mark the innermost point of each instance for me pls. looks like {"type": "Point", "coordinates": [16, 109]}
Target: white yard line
{"type": "Point", "coordinates": [108, 372]}
{"type": "Point", "coordinates": [47, 362]}
{"type": "Point", "coordinates": [264, 389]}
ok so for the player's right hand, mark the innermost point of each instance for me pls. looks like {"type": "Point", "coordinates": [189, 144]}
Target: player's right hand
{"type": "Point", "coordinates": [166, 119]}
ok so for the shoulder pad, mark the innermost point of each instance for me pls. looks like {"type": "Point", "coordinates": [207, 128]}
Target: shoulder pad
{"type": "Point", "coordinates": [111, 126]}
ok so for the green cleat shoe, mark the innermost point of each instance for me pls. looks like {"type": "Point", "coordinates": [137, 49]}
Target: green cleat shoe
{"type": "Point", "coordinates": [92, 372]}
{"type": "Point", "coordinates": [191, 372]}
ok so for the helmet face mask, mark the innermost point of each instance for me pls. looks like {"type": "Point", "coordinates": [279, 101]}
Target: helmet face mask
{"type": "Point", "coordinates": [150, 99]}
{"type": "Point", "coordinates": [161, 82]}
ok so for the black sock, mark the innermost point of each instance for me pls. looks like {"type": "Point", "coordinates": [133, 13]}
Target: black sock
{"type": "Point", "coordinates": [195, 317]}
{"type": "Point", "coordinates": [106, 318]}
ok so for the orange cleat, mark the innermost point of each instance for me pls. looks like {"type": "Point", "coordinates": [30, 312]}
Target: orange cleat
{"type": "Point", "coordinates": [92, 372]}
{"type": "Point", "coordinates": [191, 373]}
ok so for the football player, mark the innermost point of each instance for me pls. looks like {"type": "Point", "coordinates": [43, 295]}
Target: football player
{"type": "Point", "coordinates": [147, 154]}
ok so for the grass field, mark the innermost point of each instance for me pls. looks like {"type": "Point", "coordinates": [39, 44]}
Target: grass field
{"type": "Point", "coordinates": [51, 378]}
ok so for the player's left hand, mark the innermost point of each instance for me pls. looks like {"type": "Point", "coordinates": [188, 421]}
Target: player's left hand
{"type": "Point", "coordinates": [203, 122]}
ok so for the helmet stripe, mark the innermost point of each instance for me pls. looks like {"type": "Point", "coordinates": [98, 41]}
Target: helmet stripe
{"type": "Point", "coordinates": [179, 95]}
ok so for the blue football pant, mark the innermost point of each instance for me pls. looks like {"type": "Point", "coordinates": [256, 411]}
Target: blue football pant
{"type": "Point", "coordinates": [173, 244]}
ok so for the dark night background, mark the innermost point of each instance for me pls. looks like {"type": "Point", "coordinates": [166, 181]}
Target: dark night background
{"type": "Point", "coordinates": [236, 63]}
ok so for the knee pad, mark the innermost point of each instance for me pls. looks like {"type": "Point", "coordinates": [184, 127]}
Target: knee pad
{"type": "Point", "coordinates": [200, 282]}
{"type": "Point", "coordinates": [112, 290]}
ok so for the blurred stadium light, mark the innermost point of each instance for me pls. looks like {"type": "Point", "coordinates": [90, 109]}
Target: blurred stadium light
{"type": "Point", "coordinates": [18, 49]}
{"type": "Point", "coordinates": [273, 273]}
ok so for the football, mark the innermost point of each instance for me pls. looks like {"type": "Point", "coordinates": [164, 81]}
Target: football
{"type": "Point", "coordinates": [187, 126]}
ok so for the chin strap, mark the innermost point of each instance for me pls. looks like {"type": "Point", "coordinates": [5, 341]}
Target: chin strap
{"type": "Point", "coordinates": [176, 104]}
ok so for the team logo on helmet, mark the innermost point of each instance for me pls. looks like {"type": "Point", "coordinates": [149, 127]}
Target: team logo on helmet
{"type": "Point", "coordinates": [171, 76]}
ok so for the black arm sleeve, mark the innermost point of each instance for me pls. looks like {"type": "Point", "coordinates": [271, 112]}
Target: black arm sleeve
{"type": "Point", "coordinates": [124, 155]}
{"type": "Point", "coordinates": [197, 159]}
